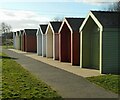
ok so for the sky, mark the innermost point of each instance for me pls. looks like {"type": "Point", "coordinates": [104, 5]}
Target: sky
{"type": "Point", "coordinates": [24, 14]}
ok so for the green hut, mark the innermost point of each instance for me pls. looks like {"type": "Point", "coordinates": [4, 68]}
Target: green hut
{"type": "Point", "coordinates": [100, 36]}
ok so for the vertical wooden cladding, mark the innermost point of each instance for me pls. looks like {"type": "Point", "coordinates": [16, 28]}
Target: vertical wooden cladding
{"type": "Point", "coordinates": [65, 44]}
{"type": "Point", "coordinates": [55, 26]}
{"type": "Point", "coordinates": [43, 28]}
{"type": "Point", "coordinates": [76, 48]}
{"type": "Point", "coordinates": [52, 40]}
{"type": "Point", "coordinates": [49, 42]}
{"type": "Point", "coordinates": [17, 40]}
{"type": "Point", "coordinates": [56, 48]}
{"type": "Point", "coordinates": [21, 36]}
{"type": "Point", "coordinates": [39, 42]}
{"type": "Point", "coordinates": [30, 40]}
{"type": "Point", "coordinates": [23, 41]}
{"type": "Point", "coordinates": [70, 40]}
{"type": "Point", "coordinates": [14, 39]}
{"type": "Point", "coordinates": [30, 44]}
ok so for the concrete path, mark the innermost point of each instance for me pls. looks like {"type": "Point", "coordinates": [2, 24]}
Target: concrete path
{"type": "Point", "coordinates": [84, 72]}
{"type": "Point", "coordinates": [68, 85]}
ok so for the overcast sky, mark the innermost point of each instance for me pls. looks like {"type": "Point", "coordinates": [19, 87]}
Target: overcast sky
{"type": "Point", "coordinates": [30, 13]}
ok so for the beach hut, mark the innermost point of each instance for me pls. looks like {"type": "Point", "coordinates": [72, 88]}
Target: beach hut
{"type": "Point", "coordinates": [51, 30]}
{"type": "Point", "coordinates": [30, 40]}
{"type": "Point", "coordinates": [43, 30]}
{"type": "Point", "coordinates": [14, 40]}
{"type": "Point", "coordinates": [100, 37]}
{"type": "Point", "coordinates": [55, 27]}
{"type": "Point", "coordinates": [23, 40]}
{"type": "Point", "coordinates": [39, 42]}
{"type": "Point", "coordinates": [21, 32]}
{"type": "Point", "coordinates": [69, 40]}
{"type": "Point", "coordinates": [40, 34]}
{"type": "Point", "coordinates": [17, 40]}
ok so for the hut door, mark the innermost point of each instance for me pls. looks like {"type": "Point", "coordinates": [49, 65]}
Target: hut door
{"type": "Point", "coordinates": [95, 50]}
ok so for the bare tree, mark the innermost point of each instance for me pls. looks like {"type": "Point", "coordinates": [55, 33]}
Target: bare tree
{"type": "Point", "coordinates": [115, 6]}
{"type": "Point", "coordinates": [58, 18]}
{"type": "Point", "coordinates": [5, 30]}
{"type": "Point", "coordinates": [5, 27]}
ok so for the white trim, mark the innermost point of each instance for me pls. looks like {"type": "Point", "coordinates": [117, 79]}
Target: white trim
{"type": "Point", "coordinates": [24, 32]}
{"type": "Point", "coordinates": [100, 65]}
{"type": "Point", "coordinates": [52, 28]}
{"type": "Point", "coordinates": [37, 33]}
{"type": "Point", "coordinates": [69, 26]}
{"type": "Point", "coordinates": [84, 22]}
{"type": "Point", "coordinates": [41, 31]}
{"type": "Point", "coordinates": [90, 14]}
{"type": "Point", "coordinates": [49, 26]}
{"type": "Point", "coordinates": [81, 36]}
{"type": "Point", "coordinates": [39, 41]}
{"type": "Point", "coordinates": [53, 46]}
{"type": "Point", "coordinates": [61, 26]}
{"type": "Point", "coordinates": [48, 32]}
{"type": "Point", "coordinates": [41, 28]}
{"type": "Point", "coordinates": [96, 21]}
{"type": "Point", "coordinates": [46, 29]}
{"type": "Point", "coordinates": [65, 21]}
{"type": "Point", "coordinates": [101, 30]}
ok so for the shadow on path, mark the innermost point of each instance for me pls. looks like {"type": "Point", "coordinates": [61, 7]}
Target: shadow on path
{"type": "Point", "coordinates": [6, 57]}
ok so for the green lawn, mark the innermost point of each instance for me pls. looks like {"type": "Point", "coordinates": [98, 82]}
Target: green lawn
{"type": "Point", "coordinates": [109, 82]}
{"type": "Point", "coordinates": [18, 83]}
{"type": "Point", "coordinates": [0, 76]}
{"type": "Point", "coordinates": [7, 47]}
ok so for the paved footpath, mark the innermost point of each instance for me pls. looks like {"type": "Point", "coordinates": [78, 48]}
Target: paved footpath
{"type": "Point", "coordinates": [68, 85]}
{"type": "Point", "coordinates": [84, 72]}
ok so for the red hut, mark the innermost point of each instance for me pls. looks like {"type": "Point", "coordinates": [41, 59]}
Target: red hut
{"type": "Point", "coordinates": [30, 40]}
{"type": "Point", "coordinates": [69, 40]}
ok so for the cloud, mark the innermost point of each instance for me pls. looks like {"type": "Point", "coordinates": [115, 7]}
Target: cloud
{"type": "Point", "coordinates": [20, 19]}
{"type": "Point", "coordinates": [97, 1]}
{"type": "Point", "coordinates": [36, 0]}
{"type": "Point", "coordinates": [86, 1]}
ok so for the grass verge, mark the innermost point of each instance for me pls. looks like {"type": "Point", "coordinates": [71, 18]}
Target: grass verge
{"type": "Point", "coordinates": [109, 82]}
{"type": "Point", "coordinates": [8, 47]}
{"type": "Point", "coordinates": [17, 83]}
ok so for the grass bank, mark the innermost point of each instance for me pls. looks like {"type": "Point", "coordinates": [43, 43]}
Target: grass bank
{"type": "Point", "coordinates": [18, 83]}
{"type": "Point", "coordinates": [7, 46]}
{"type": "Point", "coordinates": [109, 82]}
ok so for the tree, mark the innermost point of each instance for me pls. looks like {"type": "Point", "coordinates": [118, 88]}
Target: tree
{"type": "Point", "coordinates": [58, 18]}
{"type": "Point", "coordinates": [5, 28]}
{"type": "Point", "coordinates": [115, 6]}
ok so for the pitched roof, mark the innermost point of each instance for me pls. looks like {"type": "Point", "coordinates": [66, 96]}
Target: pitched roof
{"type": "Point", "coordinates": [56, 25]}
{"type": "Point", "coordinates": [108, 18]}
{"type": "Point", "coordinates": [75, 23]}
{"type": "Point", "coordinates": [17, 33]}
{"type": "Point", "coordinates": [14, 33]}
{"type": "Point", "coordinates": [30, 31]}
{"type": "Point", "coordinates": [43, 28]}
{"type": "Point", "coordinates": [21, 32]}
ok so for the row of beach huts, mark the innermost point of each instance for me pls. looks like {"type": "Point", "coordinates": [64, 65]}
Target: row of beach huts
{"type": "Point", "coordinates": [91, 42]}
